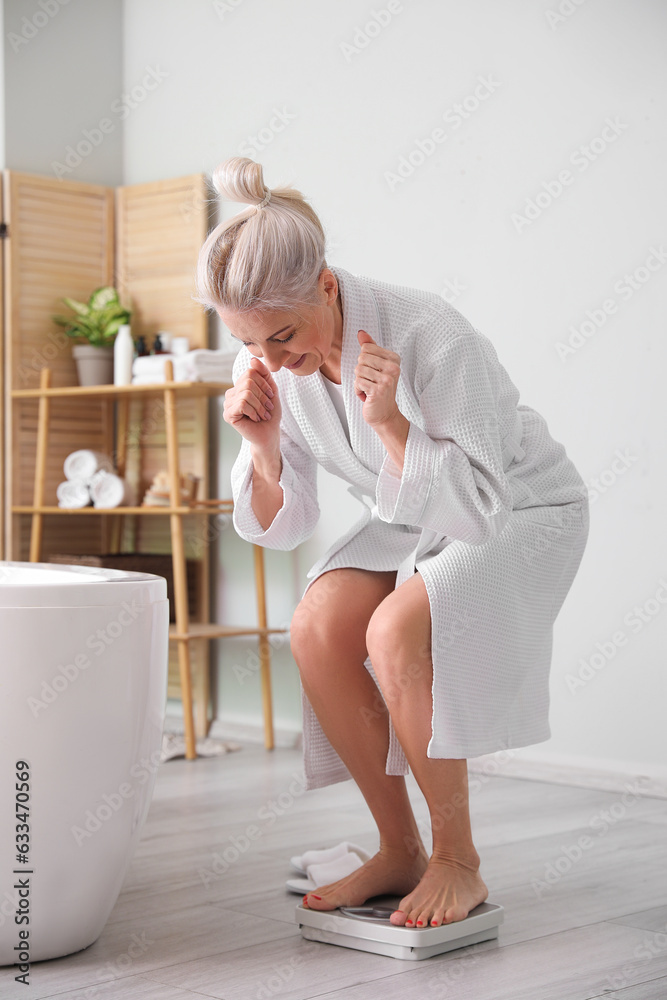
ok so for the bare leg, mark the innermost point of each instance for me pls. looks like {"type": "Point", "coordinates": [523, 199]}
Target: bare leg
{"type": "Point", "coordinates": [329, 644]}
{"type": "Point", "coordinates": [398, 639]}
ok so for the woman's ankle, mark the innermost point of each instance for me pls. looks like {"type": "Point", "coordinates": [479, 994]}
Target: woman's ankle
{"type": "Point", "coordinates": [464, 856]}
{"type": "Point", "coordinates": [408, 847]}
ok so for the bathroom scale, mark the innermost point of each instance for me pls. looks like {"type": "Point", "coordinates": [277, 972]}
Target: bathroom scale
{"type": "Point", "coordinates": [367, 928]}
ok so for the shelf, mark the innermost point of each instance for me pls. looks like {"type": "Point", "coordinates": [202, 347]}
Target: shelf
{"type": "Point", "coordinates": [226, 507]}
{"type": "Point", "coordinates": [209, 630]}
{"type": "Point", "coordinates": [120, 391]}
{"type": "Point", "coordinates": [169, 391]}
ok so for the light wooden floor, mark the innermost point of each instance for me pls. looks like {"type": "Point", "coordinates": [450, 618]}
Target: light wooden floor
{"type": "Point", "coordinates": [598, 929]}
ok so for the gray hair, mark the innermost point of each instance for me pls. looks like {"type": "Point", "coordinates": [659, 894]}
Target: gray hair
{"type": "Point", "coordinates": [263, 258]}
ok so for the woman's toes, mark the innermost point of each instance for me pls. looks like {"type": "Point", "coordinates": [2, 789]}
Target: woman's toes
{"type": "Point", "coordinates": [454, 913]}
{"type": "Point", "coordinates": [398, 918]}
{"type": "Point", "coordinates": [317, 902]}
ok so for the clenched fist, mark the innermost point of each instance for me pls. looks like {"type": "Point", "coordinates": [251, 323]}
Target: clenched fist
{"type": "Point", "coordinates": [252, 406]}
{"type": "Point", "coordinates": [375, 380]}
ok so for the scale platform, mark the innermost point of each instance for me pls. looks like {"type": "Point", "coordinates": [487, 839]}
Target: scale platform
{"type": "Point", "coordinates": [367, 928]}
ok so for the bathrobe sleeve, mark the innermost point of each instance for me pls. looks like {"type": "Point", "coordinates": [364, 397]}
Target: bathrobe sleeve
{"type": "Point", "coordinates": [296, 519]}
{"type": "Point", "coordinates": [452, 480]}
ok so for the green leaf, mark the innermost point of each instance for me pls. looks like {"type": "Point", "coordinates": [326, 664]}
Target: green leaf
{"type": "Point", "coordinates": [98, 321]}
{"type": "Point", "coordinates": [61, 320]}
{"type": "Point", "coordinates": [79, 307]}
{"type": "Point", "coordinates": [101, 297]}
{"type": "Point", "coordinates": [113, 326]}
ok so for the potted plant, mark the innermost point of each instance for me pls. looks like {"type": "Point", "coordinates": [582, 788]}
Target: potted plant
{"type": "Point", "coordinates": [96, 324]}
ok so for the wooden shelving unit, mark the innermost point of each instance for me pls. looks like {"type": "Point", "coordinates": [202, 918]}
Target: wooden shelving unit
{"type": "Point", "coordinates": [183, 631]}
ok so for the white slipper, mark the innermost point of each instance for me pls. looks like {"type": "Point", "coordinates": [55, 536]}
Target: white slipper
{"type": "Point", "coordinates": [300, 862]}
{"type": "Point", "coordinates": [322, 874]}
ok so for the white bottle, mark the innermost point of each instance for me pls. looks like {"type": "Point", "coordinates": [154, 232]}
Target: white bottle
{"type": "Point", "coordinates": [123, 356]}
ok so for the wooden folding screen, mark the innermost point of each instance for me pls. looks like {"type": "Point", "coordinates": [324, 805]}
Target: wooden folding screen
{"type": "Point", "coordinates": [66, 238]}
{"type": "Point", "coordinates": [59, 242]}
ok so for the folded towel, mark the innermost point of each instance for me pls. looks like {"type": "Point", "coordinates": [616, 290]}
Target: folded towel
{"type": "Point", "coordinates": [149, 364]}
{"type": "Point", "coordinates": [83, 464]}
{"type": "Point", "coordinates": [148, 379]}
{"type": "Point", "coordinates": [203, 358]}
{"type": "Point", "coordinates": [300, 862]}
{"type": "Point", "coordinates": [107, 489]}
{"type": "Point", "coordinates": [73, 494]}
{"type": "Point", "coordinates": [323, 874]}
{"type": "Point", "coordinates": [199, 365]}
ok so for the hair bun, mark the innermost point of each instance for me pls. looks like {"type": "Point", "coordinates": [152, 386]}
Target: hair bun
{"type": "Point", "coordinates": [240, 179]}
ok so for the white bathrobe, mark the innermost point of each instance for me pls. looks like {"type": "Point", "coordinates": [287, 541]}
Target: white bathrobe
{"type": "Point", "coordinates": [488, 508]}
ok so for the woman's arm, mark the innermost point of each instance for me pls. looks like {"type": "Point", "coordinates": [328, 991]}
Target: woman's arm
{"type": "Point", "coordinates": [288, 508]}
{"type": "Point", "coordinates": [267, 494]}
{"type": "Point", "coordinates": [274, 482]}
{"type": "Point", "coordinates": [449, 475]}
{"type": "Point", "coordinates": [375, 380]}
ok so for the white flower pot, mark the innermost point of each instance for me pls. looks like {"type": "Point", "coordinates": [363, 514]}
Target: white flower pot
{"type": "Point", "coordinates": [94, 365]}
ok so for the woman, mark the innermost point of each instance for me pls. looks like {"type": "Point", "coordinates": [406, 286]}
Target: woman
{"type": "Point", "coordinates": [444, 595]}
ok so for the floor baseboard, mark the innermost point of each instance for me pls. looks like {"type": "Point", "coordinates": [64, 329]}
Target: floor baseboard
{"type": "Point", "coordinates": [222, 729]}
{"type": "Point", "coordinates": [507, 763]}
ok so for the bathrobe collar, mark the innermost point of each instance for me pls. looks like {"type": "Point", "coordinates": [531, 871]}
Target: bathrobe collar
{"type": "Point", "coordinates": [360, 459]}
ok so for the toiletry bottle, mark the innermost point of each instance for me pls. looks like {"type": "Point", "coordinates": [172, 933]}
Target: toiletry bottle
{"type": "Point", "coordinates": [157, 345]}
{"type": "Point", "coordinates": [165, 340]}
{"type": "Point", "coordinates": [123, 356]}
{"type": "Point", "coordinates": [142, 350]}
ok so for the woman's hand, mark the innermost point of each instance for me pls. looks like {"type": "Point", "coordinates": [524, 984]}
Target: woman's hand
{"type": "Point", "coordinates": [252, 407]}
{"type": "Point", "coordinates": [375, 381]}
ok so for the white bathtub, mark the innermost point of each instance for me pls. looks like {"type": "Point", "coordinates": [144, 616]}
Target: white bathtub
{"type": "Point", "coordinates": [83, 678]}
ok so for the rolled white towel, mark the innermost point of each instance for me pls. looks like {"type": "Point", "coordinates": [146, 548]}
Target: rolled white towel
{"type": "Point", "coordinates": [73, 494]}
{"type": "Point", "coordinates": [83, 464]}
{"type": "Point", "coordinates": [107, 489]}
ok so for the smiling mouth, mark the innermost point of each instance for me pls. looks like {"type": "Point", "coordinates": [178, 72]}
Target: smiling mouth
{"type": "Point", "coordinates": [297, 364]}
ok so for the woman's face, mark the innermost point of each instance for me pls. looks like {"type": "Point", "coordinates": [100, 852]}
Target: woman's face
{"type": "Point", "coordinates": [301, 340]}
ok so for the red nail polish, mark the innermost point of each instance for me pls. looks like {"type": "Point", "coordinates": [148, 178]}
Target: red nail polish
{"type": "Point", "coordinates": [408, 923]}
{"type": "Point", "coordinates": [314, 896]}
{"type": "Point", "coordinates": [434, 923]}
{"type": "Point", "coordinates": [420, 923]}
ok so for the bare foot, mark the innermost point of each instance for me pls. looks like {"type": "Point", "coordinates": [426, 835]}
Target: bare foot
{"type": "Point", "coordinates": [388, 872]}
{"type": "Point", "coordinates": [448, 891]}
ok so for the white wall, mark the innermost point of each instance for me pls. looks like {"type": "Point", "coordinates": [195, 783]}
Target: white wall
{"type": "Point", "coordinates": [352, 117]}
{"type": "Point", "coordinates": [62, 79]}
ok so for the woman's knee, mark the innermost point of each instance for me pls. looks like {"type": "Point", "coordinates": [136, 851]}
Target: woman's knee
{"type": "Point", "coordinates": [332, 618]}
{"type": "Point", "coordinates": [314, 634]}
{"type": "Point", "coordinates": [399, 652]}
{"type": "Point", "coordinates": [302, 632]}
